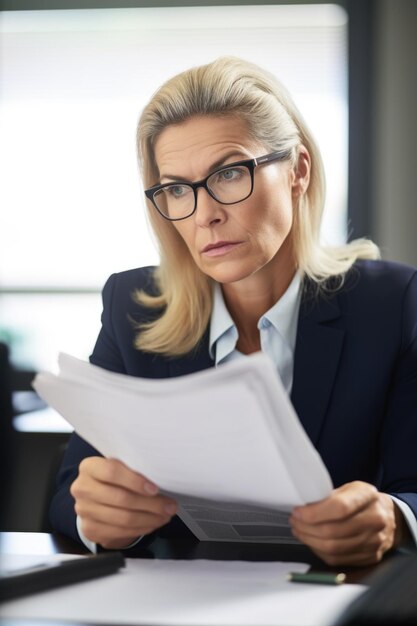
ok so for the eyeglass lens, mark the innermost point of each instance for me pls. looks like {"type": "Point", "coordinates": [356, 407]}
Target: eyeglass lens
{"type": "Point", "coordinates": [228, 185]}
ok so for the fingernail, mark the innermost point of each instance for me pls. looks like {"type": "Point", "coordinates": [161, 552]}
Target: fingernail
{"type": "Point", "coordinates": [171, 509]}
{"type": "Point", "coordinates": [151, 489]}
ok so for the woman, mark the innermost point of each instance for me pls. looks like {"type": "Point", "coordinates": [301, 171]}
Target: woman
{"type": "Point", "coordinates": [235, 188]}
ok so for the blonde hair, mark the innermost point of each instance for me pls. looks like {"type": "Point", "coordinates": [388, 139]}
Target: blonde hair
{"type": "Point", "coordinates": [228, 86]}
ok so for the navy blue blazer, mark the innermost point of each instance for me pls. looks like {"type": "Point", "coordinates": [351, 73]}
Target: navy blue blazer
{"type": "Point", "coordinates": [355, 377]}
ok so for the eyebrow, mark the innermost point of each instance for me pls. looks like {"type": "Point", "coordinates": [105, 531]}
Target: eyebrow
{"type": "Point", "coordinates": [212, 167]}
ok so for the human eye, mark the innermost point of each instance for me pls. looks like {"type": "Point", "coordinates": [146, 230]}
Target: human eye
{"type": "Point", "coordinates": [177, 191]}
{"type": "Point", "coordinates": [230, 174]}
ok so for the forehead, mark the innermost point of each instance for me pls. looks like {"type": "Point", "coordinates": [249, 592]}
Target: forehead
{"type": "Point", "coordinates": [190, 148]}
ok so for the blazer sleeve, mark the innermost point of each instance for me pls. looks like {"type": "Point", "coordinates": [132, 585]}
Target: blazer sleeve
{"type": "Point", "coordinates": [399, 438]}
{"type": "Point", "coordinates": [106, 354]}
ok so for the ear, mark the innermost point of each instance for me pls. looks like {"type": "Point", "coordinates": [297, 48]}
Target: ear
{"type": "Point", "coordinates": [301, 171]}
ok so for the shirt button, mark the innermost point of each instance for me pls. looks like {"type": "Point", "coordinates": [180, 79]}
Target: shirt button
{"type": "Point", "coordinates": [265, 323]}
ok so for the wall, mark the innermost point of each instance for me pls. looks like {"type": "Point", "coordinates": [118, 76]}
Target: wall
{"type": "Point", "coordinates": [395, 130]}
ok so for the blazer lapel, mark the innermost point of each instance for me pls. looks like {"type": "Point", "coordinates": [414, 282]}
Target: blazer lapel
{"type": "Point", "coordinates": [317, 354]}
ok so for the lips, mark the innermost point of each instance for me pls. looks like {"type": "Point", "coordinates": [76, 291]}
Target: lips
{"type": "Point", "coordinates": [220, 248]}
{"type": "Point", "coordinates": [219, 244]}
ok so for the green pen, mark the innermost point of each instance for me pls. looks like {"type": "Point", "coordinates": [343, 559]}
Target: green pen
{"type": "Point", "coordinates": [321, 578]}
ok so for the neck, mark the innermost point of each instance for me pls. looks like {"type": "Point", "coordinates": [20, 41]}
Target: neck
{"type": "Point", "coordinates": [247, 300]}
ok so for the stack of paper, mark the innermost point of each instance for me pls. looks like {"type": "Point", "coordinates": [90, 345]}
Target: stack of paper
{"type": "Point", "coordinates": [225, 443]}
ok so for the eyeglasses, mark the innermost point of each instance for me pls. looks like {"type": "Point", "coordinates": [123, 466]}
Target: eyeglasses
{"type": "Point", "coordinates": [229, 184]}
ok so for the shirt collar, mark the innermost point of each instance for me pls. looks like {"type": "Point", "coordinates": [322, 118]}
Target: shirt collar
{"type": "Point", "coordinates": [221, 324]}
{"type": "Point", "coordinates": [281, 315]}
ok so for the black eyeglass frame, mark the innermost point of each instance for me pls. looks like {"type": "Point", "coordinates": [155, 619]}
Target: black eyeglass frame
{"type": "Point", "coordinates": [249, 163]}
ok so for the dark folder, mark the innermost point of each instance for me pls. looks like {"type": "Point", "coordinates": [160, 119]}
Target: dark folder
{"type": "Point", "coordinates": [51, 575]}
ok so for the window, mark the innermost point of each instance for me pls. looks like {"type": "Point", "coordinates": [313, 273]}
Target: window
{"type": "Point", "coordinates": [73, 85]}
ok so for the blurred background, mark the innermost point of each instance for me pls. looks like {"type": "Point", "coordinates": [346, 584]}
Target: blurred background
{"type": "Point", "coordinates": [74, 79]}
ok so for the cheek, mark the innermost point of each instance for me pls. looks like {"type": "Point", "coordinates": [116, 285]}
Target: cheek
{"type": "Point", "coordinates": [187, 235]}
{"type": "Point", "coordinates": [274, 223]}
{"type": "Point", "coordinates": [277, 201]}
{"type": "Point", "coordinates": [286, 216]}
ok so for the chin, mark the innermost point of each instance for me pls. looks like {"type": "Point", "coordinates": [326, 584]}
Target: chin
{"type": "Point", "coordinates": [229, 274]}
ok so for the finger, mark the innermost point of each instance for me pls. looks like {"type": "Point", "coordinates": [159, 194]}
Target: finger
{"type": "Point", "coordinates": [112, 537]}
{"type": "Point", "coordinates": [359, 558]}
{"type": "Point", "coordinates": [371, 545]}
{"type": "Point", "coordinates": [130, 521]}
{"type": "Point", "coordinates": [343, 502]}
{"type": "Point", "coordinates": [114, 472]}
{"type": "Point", "coordinates": [372, 518]}
{"type": "Point", "coordinates": [330, 545]}
{"type": "Point", "coordinates": [92, 490]}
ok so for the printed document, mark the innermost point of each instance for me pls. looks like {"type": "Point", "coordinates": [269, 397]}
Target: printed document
{"type": "Point", "coordinates": [226, 442]}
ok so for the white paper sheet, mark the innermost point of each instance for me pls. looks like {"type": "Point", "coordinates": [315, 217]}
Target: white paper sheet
{"type": "Point", "coordinates": [227, 434]}
{"type": "Point", "coordinates": [197, 593]}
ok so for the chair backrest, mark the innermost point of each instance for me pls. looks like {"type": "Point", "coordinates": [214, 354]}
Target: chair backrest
{"type": "Point", "coordinates": [6, 410]}
{"type": "Point", "coordinates": [6, 430]}
{"type": "Point", "coordinates": [45, 525]}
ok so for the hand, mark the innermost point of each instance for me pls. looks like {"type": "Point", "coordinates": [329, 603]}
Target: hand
{"type": "Point", "coordinates": [117, 505]}
{"type": "Point", "coordinates": [355, 525]}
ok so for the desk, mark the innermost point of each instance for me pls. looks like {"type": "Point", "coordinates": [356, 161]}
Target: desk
{"type": "Point", "coordinates": [230, 590]}
{"type": "Point", "coordinates": [44, 544]}
{"type": "Point", "coordinates": [41, 421]}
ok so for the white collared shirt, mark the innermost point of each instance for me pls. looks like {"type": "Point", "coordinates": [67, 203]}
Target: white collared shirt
{"type": "Point", "coordinates": [277, 328]}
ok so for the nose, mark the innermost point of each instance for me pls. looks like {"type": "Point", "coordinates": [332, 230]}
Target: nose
{"type": "Point", "coordinates": [209, 211]}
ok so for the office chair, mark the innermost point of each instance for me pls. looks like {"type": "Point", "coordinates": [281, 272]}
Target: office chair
{"type": "Point", "coordinates": [391, 597]}
{"type": "Point", "coordinates": [6, 429]}
{"type": "Point", "coordinates": [45, 525]}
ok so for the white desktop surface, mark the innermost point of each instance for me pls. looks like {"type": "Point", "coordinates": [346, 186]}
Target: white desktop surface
{"type": "Point", "coordinates": [191, 592]}
{"type": "Point", "coordinates": [41, 421]}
